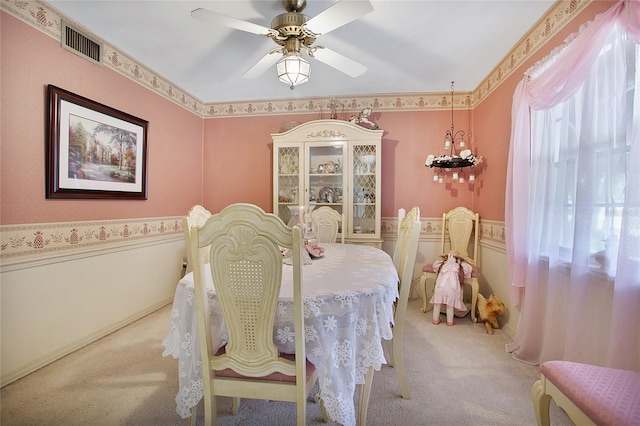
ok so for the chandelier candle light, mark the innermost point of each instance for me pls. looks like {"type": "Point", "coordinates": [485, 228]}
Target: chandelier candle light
{"type": "Point", "coordinates": [458, 158]}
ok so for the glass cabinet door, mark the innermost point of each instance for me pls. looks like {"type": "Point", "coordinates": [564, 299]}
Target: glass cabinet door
{"type": "Point", "coordinates": [330, 163]}
{"type": "Point", "coordinates": [288, 180]}
{"type": "Point", "coordinates": [325, 182]}
{"type": "Point", "coordinates": [365, 211]}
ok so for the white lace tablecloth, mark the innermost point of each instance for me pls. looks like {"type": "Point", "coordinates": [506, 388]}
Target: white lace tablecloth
{"type": "Point", "coordinates": [348, 308]}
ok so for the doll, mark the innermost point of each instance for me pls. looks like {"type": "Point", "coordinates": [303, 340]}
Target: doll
{"type": "Point", "coordinates": [452, 271]}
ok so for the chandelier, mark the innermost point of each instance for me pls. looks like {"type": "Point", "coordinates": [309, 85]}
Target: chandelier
{"type": "Point", "coordinates": [458, 156]}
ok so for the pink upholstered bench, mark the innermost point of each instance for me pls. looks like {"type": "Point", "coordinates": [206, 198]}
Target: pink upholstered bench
{"type": "Point", "coordinates": [590, 395]}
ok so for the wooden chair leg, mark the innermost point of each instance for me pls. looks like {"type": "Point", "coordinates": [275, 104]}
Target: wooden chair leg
{"type": "Point", "coordinates": [210, 411]}
{"type": "Point", "coordinates": [388, 351]}
{"type": "Point", "coordinates": [425, 296]}
{"type": "Point", "coordinates": [235, 406]}
{"type": "Point", "coordinates": [363, 405]}
{"type": "Point", "coordinates": [301, 410]}
{"type": "Point", "coordinates": [475, 289]}
{"type": "Point", "coordinates": [398, 360]}
{"type": "Point", "coordinates": [540, 403]}
{"type": "Point", "coordinates": [194, 415]}
{"type": "Point", "coordinates": [323, 411]}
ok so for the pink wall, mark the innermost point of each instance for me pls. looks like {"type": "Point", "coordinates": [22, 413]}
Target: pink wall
{"type": "Point", "coordinates": [30, 61]}
{"type": "Point", "coordinates": [229, 157]}
{"type": "Point", "coordinates": [409, 137]}
{"type": "Point", "coordinates": [238, 153]}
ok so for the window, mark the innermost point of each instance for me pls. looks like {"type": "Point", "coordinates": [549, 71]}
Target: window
{"type": "Point", "coordinates": [580, 158]}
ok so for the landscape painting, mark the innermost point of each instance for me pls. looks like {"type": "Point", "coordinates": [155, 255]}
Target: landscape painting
{"type": "Point", "coordinates": [94, 151]}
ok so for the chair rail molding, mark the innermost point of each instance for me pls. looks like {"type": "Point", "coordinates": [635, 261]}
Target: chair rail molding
{"type": "Point", "coordinates": [28, 245]}
{"type": "Point", "coordinates": [492, 232]}
{"type": "Point", "coordinates": [493, 235]}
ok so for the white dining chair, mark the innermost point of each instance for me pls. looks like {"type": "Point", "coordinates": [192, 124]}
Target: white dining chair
{"type": "Point", "coordinates": [404, 258]}
{"type": "Point", "coordinates": [197, 215]}
{"type": "Point", "coordinates": [326, 222]}
{"type": "Point", "coordinates": [459, 225]}
{"type": "Point", "coordinates": [246, 266]}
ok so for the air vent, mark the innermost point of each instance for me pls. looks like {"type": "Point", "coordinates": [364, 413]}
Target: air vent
{"type": "Point", "coordinates": [81, 44]}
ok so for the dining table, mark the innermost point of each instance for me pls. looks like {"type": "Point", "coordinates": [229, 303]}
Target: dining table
{"type": "Point", "coordinates": [348, 297]}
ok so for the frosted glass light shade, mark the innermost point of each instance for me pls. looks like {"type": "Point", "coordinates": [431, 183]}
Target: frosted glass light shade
{"type": "Point", "coordinates": [293, 69]}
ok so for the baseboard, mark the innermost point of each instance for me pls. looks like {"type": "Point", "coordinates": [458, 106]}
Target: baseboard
{"type": "Point", "coordinates": [74, 346]}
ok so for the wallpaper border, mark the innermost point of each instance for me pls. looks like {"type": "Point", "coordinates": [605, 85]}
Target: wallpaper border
{"type": "Point", "coordinates": [491, 232]}
{"type": "Point", "coordinates": [47, 19]}
{"type": "Point", "coordinates": [20, 243]}
{"type": "Point", "coordinates": [23, 243]}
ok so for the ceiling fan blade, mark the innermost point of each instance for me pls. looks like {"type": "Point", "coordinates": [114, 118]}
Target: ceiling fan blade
{"type": "Point", "coordinates": [264, 64]}
{"type": "Point", "coordinates": [228, 21]}
{"type": "Point", "coordinates": [337, 15]}
{"type": "Point", "coordinates": [338, 61]}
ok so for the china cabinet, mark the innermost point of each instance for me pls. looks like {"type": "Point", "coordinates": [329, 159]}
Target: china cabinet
{"type": "Point", "coordinates": [330, 163]}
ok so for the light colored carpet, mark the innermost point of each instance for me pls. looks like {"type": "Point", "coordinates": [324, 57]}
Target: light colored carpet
{"type": "Point", "coordinates": [458, 376]}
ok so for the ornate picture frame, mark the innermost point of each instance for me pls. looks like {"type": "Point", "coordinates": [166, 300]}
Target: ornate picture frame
{"type": "Point", "coordinates": [94, 151]}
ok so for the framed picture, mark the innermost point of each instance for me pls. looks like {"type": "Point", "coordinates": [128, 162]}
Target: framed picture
{"type": "Point", "coordinates": [94, 151]}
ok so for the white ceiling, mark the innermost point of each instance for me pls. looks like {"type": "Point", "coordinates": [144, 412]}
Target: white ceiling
{"type": "Point", "coordinates": [407, 46]}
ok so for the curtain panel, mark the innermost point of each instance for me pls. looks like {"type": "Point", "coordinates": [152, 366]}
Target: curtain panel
{"type": "Point", "coordinates": [574, 144]}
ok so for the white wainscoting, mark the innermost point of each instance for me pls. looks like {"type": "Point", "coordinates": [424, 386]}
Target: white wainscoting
{"type": "Point", "coordinates": [65, 285]}
{"type": "Point", "coordinates": [56, 301]}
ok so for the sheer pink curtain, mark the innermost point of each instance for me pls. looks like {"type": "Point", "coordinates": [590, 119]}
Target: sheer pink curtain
{"type": "Point", "coordinates": [573, 198]}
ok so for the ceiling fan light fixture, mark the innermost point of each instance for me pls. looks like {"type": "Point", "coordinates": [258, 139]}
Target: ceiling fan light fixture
{"type": "Point", "coordinates": [293, 69]}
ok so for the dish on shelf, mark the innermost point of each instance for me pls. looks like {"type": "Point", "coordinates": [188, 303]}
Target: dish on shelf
{"type": "Point", "coordinates": [325, 195]}
{"type": "Point", "coordinates": [330, 167]}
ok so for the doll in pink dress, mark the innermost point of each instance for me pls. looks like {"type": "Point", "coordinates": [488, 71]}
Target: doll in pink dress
{"type": "Point", "coordinates": [448, 290]}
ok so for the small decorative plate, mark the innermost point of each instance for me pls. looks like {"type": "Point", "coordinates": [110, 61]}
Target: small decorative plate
{"type": "Point", "coordinates": [325, 195]}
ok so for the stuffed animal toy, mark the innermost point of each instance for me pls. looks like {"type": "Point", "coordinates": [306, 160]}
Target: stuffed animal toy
{"type": "Point", "coordinates": [489, 310]}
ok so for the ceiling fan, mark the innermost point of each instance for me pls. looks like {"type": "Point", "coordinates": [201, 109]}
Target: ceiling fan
{"type": "Point", "coordinates": [295, 32]}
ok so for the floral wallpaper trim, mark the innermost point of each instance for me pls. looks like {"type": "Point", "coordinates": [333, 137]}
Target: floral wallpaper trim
{"type": "Point", "coordinates": [47, 19]}
{"type": "Point", "coordinates": [349, 104]}
{"type": "Point", "coordinates": [20, 241]}
{"type": "Point", "coordinates": [494, 231]}
{"type": "Point", "coordinates": [490, 230]}
{"type": "Point", "coordinates": [558, 15]}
